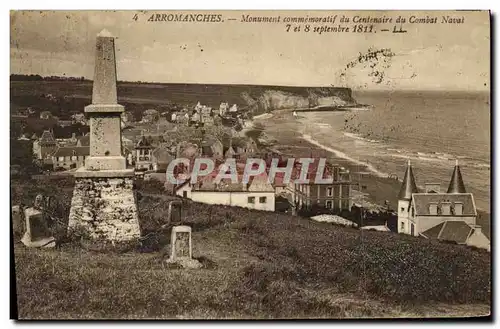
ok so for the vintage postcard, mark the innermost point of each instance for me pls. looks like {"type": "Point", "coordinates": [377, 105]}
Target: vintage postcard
{"type": "Point", "coordinates": [250, 164]}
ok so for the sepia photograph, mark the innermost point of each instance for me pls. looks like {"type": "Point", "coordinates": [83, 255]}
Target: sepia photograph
{"type": "Point", "coordinates": [250, 165]}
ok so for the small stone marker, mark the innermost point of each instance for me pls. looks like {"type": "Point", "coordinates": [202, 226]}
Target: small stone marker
{"type": "Point", "coordinates": [181, 242]}
{"type": "Point", "coordinates": [37, 232]}
{"type": "Point", "coordinates": [174, 213]}
{"type": "Point", "coordinates": [181, 248]}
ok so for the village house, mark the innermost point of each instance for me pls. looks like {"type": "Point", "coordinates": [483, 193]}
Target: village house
{"type": "Point", "coordinates": [45, 146]}
{"type": "Point", "coordinates": [233, 108]}
{"type": "Point", "coordinates": [45, 115]}
{"type": "Point", "coordinates": [183, 119]}
{"type": "Point", "coordinates": [207, 120]}
{"type": "Point", "coordinates": [70, 157]}
{"type": "Point", "coordinates": [245, 146]}
{"type": "Point", "coordinates": [198, 107]}
{"type": "Point", "coordinates": [239, 147]}
{"type": "Point", "coordinates": [206, 111]}
{"type": "Point", "coordinates": [150, 116]}
{"type": "Point", "coordinates": [23, 137]}
{"type": "Point", "coordinates": [257, 194]}
{"type": "Point", "coordinates": [127, 117]}
{"type": "Point", "coordinates": [187, 150]}
{"type": "Point", "coordinates": [195, 118]}
{"type": "Point", "coordinates": [84, 140]}
{"type": "Point", "coordinates": [335, 196]}
{"type": "Point", "coordinates": [431, 214]}
{"type": "Point", "coordinates": [79, 118]}
{"type": "Point", "coordinates": [63, 123]}
{"type": "Point", "coordinates": [161, 157]}
{"type": "Point", "coordinates": [212, 148]}
{"type": "Point", "coordinates": [223, 107]}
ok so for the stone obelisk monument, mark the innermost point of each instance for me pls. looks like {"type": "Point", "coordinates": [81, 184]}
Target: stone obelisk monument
{"type": "Point", "coordinates": [103, 205]}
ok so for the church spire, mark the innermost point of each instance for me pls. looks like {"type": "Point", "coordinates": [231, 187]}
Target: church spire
{"type": "Point", "coordinates": [409, 186]}
{"type": "Point", "coordinates": [456, 183]}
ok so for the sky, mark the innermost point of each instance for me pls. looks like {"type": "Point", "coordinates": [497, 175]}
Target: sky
{"type": "Point", "coordinates": [429, 56]}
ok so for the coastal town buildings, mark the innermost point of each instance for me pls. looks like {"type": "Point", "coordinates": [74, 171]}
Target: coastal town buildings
{"type": "Point", "coordinates": [161, 157]}
{"type": "Point", "coordinates": [79, 118]}
{"type": "Point", "coordinates": [150, 116]}
{"type": "Point", "coordinates": [70, 157]}
{"type": "Point", "coordinates": [44, 147]}
{"type": "Point", "coordinates": [45, 115]}
{"type": "Point", "coordinates": [223, 107]}
{"type": "Point", "coordinates": [432, 214]}
{"type": "Point", "coordinates": [143, 154]}
{"type": "Point", "coordinates": [212, 148]}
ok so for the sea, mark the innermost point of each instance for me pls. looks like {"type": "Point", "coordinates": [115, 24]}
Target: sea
{"type": "Point", "coordinates": [432, 129]}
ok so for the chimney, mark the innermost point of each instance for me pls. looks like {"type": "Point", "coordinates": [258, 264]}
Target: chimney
{"type": "Point", "coordinates": [445, 208]}
{"type": "Point", "coordinates": [478, 229]}
{"type": "Point", "coordinates": [432, 188]}
{"type": "Point", "coordinates": [459, 208]}
{"type": "Point", "coordinates": [433, 208]}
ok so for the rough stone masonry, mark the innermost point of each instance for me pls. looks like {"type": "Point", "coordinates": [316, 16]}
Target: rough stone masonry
{"type": "Point", "coordinates": [103, 206]}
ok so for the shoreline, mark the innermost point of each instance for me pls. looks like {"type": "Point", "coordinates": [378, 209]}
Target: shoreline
{"type": "Point", "coordinates": [343, 155]}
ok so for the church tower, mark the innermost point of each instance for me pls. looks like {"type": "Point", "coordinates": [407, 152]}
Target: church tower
{"type": "Point", "coordinates": [404, 199]}
{"type": "Point", "coordinates": [456, 183]}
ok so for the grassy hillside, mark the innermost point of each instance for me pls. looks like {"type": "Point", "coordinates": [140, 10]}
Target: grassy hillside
{"type": "Point", "coordinates": [255, 264]}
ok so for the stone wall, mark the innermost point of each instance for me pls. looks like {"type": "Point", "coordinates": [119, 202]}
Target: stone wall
{"type": "Point", "coordinates": [104, 209]}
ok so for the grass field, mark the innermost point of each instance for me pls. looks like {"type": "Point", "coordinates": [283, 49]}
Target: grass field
{"type": "Point", "coordinates": [255, 265]}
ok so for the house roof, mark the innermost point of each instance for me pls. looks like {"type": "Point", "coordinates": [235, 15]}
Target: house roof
{"type": "Point", "coordinates": [279, 177]}
{"type": "Point", "coordinates": [409, 186]}
{"type": "Point", "coordinates": [188, 150]}
{"type": "Point", "coordinates": [144, 142]}
{"type": "Point", "coordinates": [230, 151]}
{"type": "Point", "coordinates": [257, 183]}
{"type": "Point", "coordinates": [236, 141]}
{"type": "Point", "coordinates": [209, 142]}
{"type": "Point", "coordinates": [72, 150]}
{"type": "Point", "coordinates": [207, 150]}
{"type": "Point", "coordinates": [162, 154]}
{"type": "Point", "coordinates": [457, 231]}
{"type": "Point", "coordinates": [312, 171]}
{"type": "Point", "coordinates": [423, 200]}
{"type": "Point", "coordinates": [84, 140]}
{"type": "Point", "coordinates": [47, 137]}
{"type": "Point", "coordinates": [433, 232]}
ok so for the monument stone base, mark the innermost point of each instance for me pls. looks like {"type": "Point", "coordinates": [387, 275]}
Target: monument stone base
{"type": "Point", "coordinates": [103, 207]}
